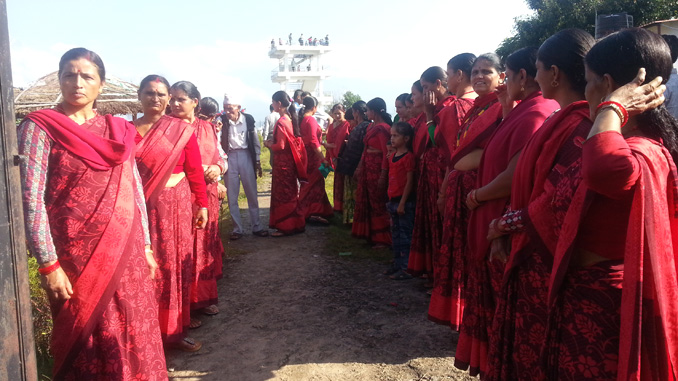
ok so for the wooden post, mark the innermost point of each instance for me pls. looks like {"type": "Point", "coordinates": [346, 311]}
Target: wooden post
{"type": "Point", "coordinates": [17, 348]}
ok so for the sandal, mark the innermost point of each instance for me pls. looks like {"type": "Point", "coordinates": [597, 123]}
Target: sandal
{"type": "Point", "coordinates": [188, 345]}
{"type": "Point", "coordinates": [319, 220]}
{"type": "Point", "coordinates": [211, 310]}
{"type": "Point", "coordinates": [400, 275]}
{"type": "Point", "coordinates": [261, 233]}
{"type": "Point", "coordinates": [235, 236]}
{"type": "Point", "coordinates": [278, 234]}
{"type": "Point", "coordinates": [195, 323]}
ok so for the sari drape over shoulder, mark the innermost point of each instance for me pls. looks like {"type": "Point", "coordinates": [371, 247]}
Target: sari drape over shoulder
{"type": "Point", "coordinates": [208, 250]}
{"type": "Point", "coordinates": [644, 334]}
{"type": "Point", "coordinates": [484, 278]}
{"type": "Point", "coordinates": [337, 136]}
{"type": "Point", "coordinates": [546, 176]}
{"type": "Point", "coordinates": [449, 280]}
{"type": "Point", "coordinates": [289, 168]}
{"type": "Point", "coordinates": [371, 219]}
{"type": "Point", "coordinates": [111, 317]}
{"type": "Point", "coordinates": [313, 199]}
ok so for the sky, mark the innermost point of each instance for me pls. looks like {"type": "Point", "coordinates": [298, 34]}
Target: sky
{"type": "Point", "coordinates": [378, 48]}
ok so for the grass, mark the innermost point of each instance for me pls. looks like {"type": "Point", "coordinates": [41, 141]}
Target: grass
{"type": "Point", "coordinates": [42, 321]}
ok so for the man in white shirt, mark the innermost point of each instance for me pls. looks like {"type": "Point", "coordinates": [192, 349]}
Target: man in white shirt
{"type": "Point", "coordinates": [241, 143]}
{"type": "Point", "coordinates": [267, 131]}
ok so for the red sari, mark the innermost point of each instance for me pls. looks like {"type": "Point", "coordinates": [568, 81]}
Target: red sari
{"type": "Point", "coordinates": [313, 199]}
{"type": "Point", "coordinates": [432, 165]}
{"type": "Point", "coordinates": [421, 135]}
{"type": "Point", "coordinates": [636, 290]}
{"type": "Point", "coordinates": [336, 136]}
{"type": "Point", "coordinates": [485, 277]}
{"type": "Point", "coordinates": [289, 167]}
{"type": "Point", "coordinates": [108, 329]}
{"type": "Point", "coordinates": [371, 219]}
{"type": "Point", "coordinates": [447, 298]}
{"type": "Point", "coordinates": [170, 216]}
{"type": "Point", "coordinates": [547, 174]}
{"type": "Point", "coordinates": [208, 250]}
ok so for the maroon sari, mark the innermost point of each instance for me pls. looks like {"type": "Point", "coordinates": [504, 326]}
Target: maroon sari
{"type": "Point", "coordinates": [108, 329]}
{"type": "Point", "coordinates": [208, 250]}
{"type": "Point", "coordinates": [485, 277]}
{"type": "Point", "coordinates": [337, 136]}
{"type": "Point", "coordinates": [289, 167]}
{"type": "Point", "coordinates": [313, 199]}
{"type": "Point", "coordinates": [170, 217]}
{"type": "Point", "coordinates": [616, 319]}
{"type": "Point", "coordinates": [547, 174]}
{"type": "Point", "coordinates": [371, 219]}
{"type": "Point", "coordinates": [447, 298]}
{"type": "Point", "coordinates": [427, 221]}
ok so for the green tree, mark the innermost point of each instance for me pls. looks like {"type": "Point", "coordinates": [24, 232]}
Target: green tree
{"type": "Point", "coordinates": [554, 15]}
{"type": "Point", "coordinates": [348, 99]}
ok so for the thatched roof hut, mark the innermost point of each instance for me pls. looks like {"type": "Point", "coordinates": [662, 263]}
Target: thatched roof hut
{"type": "Point", "coordinates": [118, 97]}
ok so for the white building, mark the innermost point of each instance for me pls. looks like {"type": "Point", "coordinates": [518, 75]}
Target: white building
{"type": "Point", "coordinates": [302, 67]}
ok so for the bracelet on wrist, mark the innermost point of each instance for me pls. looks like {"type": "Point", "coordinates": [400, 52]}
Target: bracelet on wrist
{"type": "Point", "coordinates": [617, 108]}
{"type": "Point", "coordinates": [49, 269]}
{"type": "Point", "coordinates": [202, 208]}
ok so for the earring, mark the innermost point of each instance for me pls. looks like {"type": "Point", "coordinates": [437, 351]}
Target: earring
{"type": "Point", "coordinates": [554, 83]}
{"type": "Point", "coordinates": [522, 89]}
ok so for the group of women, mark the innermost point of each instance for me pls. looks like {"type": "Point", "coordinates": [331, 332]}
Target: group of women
{"type": "Point", "coordinates": [122, 219]}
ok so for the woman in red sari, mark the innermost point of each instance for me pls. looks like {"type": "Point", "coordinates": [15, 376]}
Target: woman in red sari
{"type": "Point", "coordinates": [443, 308]}
{"type": "Point", "coordinates": [614, 293]}
{"type": "Point", "coordinates": [371, 219]}
{"type": "Point", "coordinates": [418, 120]}
{"type": "Point", "coordinates": [337, 133]}
{"type": "Point", "coordinates": [208, 250]}
{"type": "Point", "coordinates": [480, 122]}
{"type": "Point", "coordinates": [490, 198]}
{"type": "Point", "coordinates": [169, 162]}
{"type": "Point", "coordinates": [545, 178]}
{"type": "Point", "coordinates": [313, 202]}
{"type": "Point", "coordinates": [289, 168]}
{"type": "Point", "coordinates": [86, 225]}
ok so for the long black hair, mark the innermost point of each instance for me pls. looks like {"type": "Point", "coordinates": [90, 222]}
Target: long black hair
{"type": "Point", "coordinates": [78, 53]}
{"type": "Point", "coordinates": [566, 50]}
{"type": "Point", "coordinates": [621, 55]}
{"type": "Point", "coordinates": [361, 108]}
{"type": "Point", "coordinates": [523, 59]}
{"type": "Point", "coordinates": [493, 59]}
{"type": "Point", "coordinates": [433, 74]}
{"type": "Point", "coordinates": [308, 104]}
{"type": "Point", "coordinates": [378, 105]}
{"type": "Point", "coordinates": [463, 62]}
{"type": "Point", "coordinates": [153, 78]}
{"type": "Point", "coordinates": [209, 107]}
{"type": "Point", "coordinates": [190, 90]}
{"type": "Point", "coordinates": [285, 101]}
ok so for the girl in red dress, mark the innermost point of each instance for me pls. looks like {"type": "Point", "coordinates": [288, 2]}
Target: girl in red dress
{"type": "Point", "coordinates": [614, 292]}
{"type": "Point", "coordinates": [371, 220]}
{"type": "Point", "coordinates": [337, 133]}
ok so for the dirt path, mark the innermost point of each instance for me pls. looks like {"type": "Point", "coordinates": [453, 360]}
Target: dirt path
{"type": "Point", "coordinates": [293, 309]}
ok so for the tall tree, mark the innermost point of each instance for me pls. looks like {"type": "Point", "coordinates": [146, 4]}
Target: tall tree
{"type": "Point", "coordinates": [554, 15]}
{"type": "Point", "coordinates": [348, 99]}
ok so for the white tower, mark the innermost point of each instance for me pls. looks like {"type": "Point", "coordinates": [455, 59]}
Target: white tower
{"type": "Point", "coordinates": [301, 67]}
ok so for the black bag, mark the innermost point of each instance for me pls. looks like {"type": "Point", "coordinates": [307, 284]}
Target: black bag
{"type": "Point", "coordinates": [352, 151]}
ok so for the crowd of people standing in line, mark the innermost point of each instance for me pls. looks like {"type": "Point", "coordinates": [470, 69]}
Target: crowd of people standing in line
{"type": "Point", "coordinates": [536, 195]}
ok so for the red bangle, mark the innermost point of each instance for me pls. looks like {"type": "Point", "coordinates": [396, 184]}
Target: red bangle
{"type": "Point", "coordinates": [618, 108]}
{"type": "Point", "coordinates": [49, 269]}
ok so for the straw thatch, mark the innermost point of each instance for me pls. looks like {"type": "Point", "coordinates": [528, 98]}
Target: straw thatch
{"type": "Point", "coordinates": [118, 97]}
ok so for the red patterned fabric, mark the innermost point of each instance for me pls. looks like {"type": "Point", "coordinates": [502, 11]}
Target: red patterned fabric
{"type": "Point", "coordinates": [547, 174]}
{"type": "Point", "coordinates": [484, 278]}
{"type": "Point", "coordinates": [288, 166]}
{"type": "Point", "coordinates": [337, 136]}
{"type": "Point", "coordinates": [612, 167]}
{"type": "Point", "coordinates": [421, 136]}
{"type": "Point", "coordinates": [108, 329]}
{"type": "Point", "coordinates": [208, 250]}
{"type": "Point", "coordinates": [450, 265]}
{"type": "Point", "coordinates": [313, 199]}
{"type": "Point", "coordinates": [426, 237]}
{"type": "Point", "coordinates": [159, 151]}
{"type": "Point", "coordinates": [371, 219]}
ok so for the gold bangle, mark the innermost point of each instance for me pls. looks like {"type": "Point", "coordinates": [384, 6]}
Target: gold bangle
{"type": "Point", "coordinates": [617, 111]}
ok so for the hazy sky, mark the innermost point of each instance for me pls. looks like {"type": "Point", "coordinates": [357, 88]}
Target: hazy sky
{"type": "Point", "coordinates": [379, 47]}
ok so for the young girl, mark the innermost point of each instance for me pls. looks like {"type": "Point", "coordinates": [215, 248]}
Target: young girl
{"type": "Point", "coordinates": [401, 197]}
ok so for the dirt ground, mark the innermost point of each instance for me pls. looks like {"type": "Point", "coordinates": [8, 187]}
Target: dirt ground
{"type": "Point", "coordinates": [292, 308]}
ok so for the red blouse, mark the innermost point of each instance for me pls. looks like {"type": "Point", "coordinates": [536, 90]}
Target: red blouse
{"type": "Point", "coordinates": [397, 173]}
{"type": "Point", "coordinates": [310, 132]}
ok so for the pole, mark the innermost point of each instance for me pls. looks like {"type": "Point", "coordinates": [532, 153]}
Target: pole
{"type": "Point", "coordinates": [17, 348]}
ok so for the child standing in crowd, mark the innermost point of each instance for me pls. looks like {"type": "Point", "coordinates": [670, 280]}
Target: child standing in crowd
{"type": "Point", "coordinates": [401, 197]}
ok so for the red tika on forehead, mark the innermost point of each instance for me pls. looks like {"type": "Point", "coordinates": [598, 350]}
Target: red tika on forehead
{"type": "Point", "coordinates": [157, 79]}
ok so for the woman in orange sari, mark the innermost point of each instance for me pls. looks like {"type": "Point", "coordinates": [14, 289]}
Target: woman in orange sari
{"type": "Point", "coordinates": [169, 162]}
{"type": "Point", "coordinates": [371, 219]}
{"type": "Point", "coordinates": [289, 168]}
{"type": "Point", "coordinates": [87, 226]}
{"type": "Point", "coordinates": [613, 289]}
{"type": "Point", "coordinates": [547, 173]}
{"type": "Point", "coordinates": [337, 133]}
